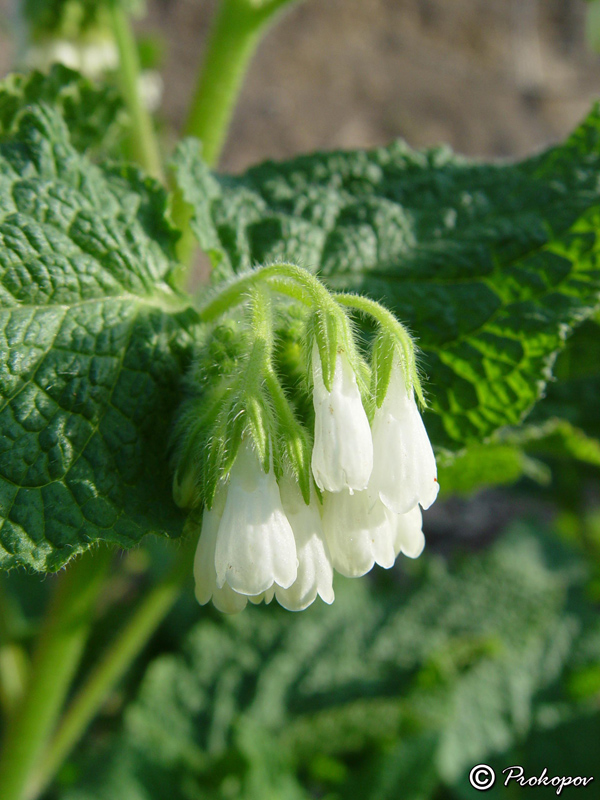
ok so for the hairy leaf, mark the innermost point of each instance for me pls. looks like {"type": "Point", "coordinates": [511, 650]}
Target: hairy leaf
{"type": "Point", "coordinates": [490, 265]}
{"type": "Point", "coordinates": [92, 343]}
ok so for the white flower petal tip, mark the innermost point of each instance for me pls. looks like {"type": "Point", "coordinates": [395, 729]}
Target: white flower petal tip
{"type": "Point", "coordinates": [255, 545]}
{"type": "Point", "coordinates": [404, 470]}
{"type": "Point", "coordinates": [205, 576]}
{"type": "Point", "coordinates": [263, 597]}
{"type": "Point", "coordinates": [315, 571]}
{"type": "Point", "coordinates": [360, 532]}
{"type": "Point", "coordinates": [409, 538]}
{"type": "Point", "coordinates": [342, 455]}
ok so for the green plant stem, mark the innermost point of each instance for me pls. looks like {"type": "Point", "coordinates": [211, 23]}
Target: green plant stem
{"type": "Point", "coordinates": [236, 32]}
{"type": "Point", "coordinates": [13, 674]}
{"type": "Point", "coordinates": [144, 144]}
{"type": "Point", "coordinates": [14, 664]}
{"type": "Point", "coordinates": [112, 666]}
{"type": "Point", "coordinates": [63, 637]}
{"type": "Point", "coordinates": [234, 37]}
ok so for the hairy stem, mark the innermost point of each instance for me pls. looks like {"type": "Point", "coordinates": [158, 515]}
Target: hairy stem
{"type": "Point", "coordinates": [388, 323]}
{"type": "Point", "coordinates": [64, 634]}
{"type": "Point", "coordinates": [112, 666]}
{"type": "Point", "coordinates": [13, 659]}
{"type": "Point", "coordinates": [144, 144]}
{"type": "Point", "coordinates": [286, 279]}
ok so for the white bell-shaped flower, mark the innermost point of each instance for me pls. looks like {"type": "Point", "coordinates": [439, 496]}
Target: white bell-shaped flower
{"type": "Point", "coordinates": [404, 469]}
{"type": "Point", "coordinates": [205, 574]}
{"type": "Point", "coordinates": [315, 572]}
{"type": "Point", "coordinates": [359, 531]}
{"type": "Point", "coordinates": [408, 533]}
{"type": "Point", "coordinates": [342, 456]}
{"type": "Point", "coordinates": [255, 545]}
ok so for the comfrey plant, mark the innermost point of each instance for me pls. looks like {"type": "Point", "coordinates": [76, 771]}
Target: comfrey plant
{"type": "Point", "coordinates": [279, 407]}
{"type": "Point", "coordinates": [289, 486]}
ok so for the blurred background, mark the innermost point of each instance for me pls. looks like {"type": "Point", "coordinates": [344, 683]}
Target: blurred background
{"type": "Point", "coordinates": [490, 77]}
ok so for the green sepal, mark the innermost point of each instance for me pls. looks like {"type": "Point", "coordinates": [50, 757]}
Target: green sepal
{"type": "Point", "coordinates": [382, 362]}
{"type": "Point", "coordinates": [299, 455]}
{"type": "Point", "coordinates": [292, 436]}
{"type": "Point", "coordinates": [185, 488]}
{"type": "Point", "coordinates": [323, 329]}
{"type": "Point", "coordinates": [260, 427]}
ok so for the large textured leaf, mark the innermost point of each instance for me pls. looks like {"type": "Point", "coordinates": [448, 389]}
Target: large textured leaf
{"type": "Point", "coordinates": [92, 344]}
{"type": "Point", "coordinates": [452, 665]}
{"type": "Point", "coordinates": [490, 265]}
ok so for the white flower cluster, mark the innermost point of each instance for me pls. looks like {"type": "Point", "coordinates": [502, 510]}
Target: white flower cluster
{"type": "Point", "coordinates": [261, 540]}
{"type": "Point", "coordinates": [93, 58]}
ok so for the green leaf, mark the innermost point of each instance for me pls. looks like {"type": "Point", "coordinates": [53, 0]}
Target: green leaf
{"type": "Point", "coordinates": [487, 465]}
{"type": "Point", "coordinates": [452, 665]}
{"type": "Point", "coordinates": [557, 438]}
{"type": "Point", "coordinates": [514, 454]}
{"type": "Point", "coordinates": [90, 112]}
{"type": "Point", "coordinates": [574, 395]}
{"type": "Point", "coordinates": [490, 265]}
{"type": "Point", "coordinates": [92, 344]}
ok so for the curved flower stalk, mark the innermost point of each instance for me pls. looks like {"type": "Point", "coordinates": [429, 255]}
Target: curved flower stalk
{"type": "Point", "coordinates": [342, 456]}
{"type": "Point", "coordinates": [404, 470]}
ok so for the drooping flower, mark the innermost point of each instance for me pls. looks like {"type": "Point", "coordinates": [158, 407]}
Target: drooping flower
{"type": "Point", "coordinates": [205, 574]}
{"type": "Point", "coordinates": [315, 572]}
{"type": "Point", "coordinates": [342, 456]}
{"type": "Point", "coordinates": [255, 545]}
{"type": "Point", "coordinates": [404, 470]}
{"type": "Point", "coordinates": [408, 532]}
{"type": "Point", "coordinates": [358, 531]}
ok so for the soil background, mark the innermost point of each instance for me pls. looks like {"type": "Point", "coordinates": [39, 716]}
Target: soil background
{"type": "Point", "coordinates": [491, 77]}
